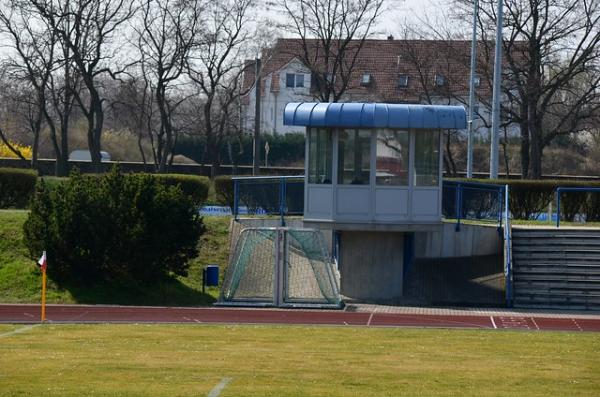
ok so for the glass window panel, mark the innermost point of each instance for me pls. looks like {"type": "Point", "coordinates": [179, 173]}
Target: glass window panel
{"type": "Point", "coordinates": [427, 155]}
{"type": "Point", "coordinates": [320, 155]}
{"type": "Point", "coordinates": [354, 152]}
{"type": "Point", "coordinates": [289, 80]}
{"type": "Point", "coordinates": [299, 80]}
{"type": "Point", "coordinates": [392, 158]}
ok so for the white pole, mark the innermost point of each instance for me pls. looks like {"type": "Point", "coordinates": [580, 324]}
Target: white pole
{"type": "Point", "coordinates": [472, 92]}
{"type": "Point", "coordinates": [495, 135]}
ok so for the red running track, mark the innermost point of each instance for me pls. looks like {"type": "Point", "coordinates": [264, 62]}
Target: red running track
{"type": "Point", "coordinates": [132, 314]}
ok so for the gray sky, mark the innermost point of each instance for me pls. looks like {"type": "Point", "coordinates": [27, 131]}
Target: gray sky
{"type": "Point", "coordinates": [408, 11]}
{"type": "Point", "coordinates": [400, 12]}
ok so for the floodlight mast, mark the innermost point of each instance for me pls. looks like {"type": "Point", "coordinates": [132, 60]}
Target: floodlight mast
{"type": "Point", "coordinates": [256, 142]}
{"type": "Point", "coordinates": [495, 135]}
{"type": "Point", "coordinates": [472, 92]}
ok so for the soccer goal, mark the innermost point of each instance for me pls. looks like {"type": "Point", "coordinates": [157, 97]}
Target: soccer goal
{"type": "Point", "coordinates": [282, 267]}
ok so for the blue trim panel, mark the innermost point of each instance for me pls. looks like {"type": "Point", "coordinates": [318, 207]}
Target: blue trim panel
{"type": "Point", "coordinates": [374, 115]}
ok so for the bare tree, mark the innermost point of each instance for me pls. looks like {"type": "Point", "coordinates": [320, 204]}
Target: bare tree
{"type": "Point", "coordinates": [551, 79]}
{"type": "Point", "coordinates": [31, 60]}
{"type": "Point", "coordinates": [215, 66]}
{"type": "Point", "coordinates": [132, 108]}
{"type": "Point", "coordinates": [438, 78]}
{"type": "Point", "coordinates": [166, 33]}
{"type": "Point", "coordinates": [86, 29]}
{"type": "Point", "coordinates": [332, 34]}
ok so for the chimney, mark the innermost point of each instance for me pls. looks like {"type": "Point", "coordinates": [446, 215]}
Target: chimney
{"type": "Point", "coordinates": [390, 37]}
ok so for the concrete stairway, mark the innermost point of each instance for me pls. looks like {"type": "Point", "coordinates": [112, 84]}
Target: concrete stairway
{"type": "Point", "coordinates": [556, 268]}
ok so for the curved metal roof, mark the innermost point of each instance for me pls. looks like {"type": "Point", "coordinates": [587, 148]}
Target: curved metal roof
{"type": "Point", "coordinates": [374, 115]}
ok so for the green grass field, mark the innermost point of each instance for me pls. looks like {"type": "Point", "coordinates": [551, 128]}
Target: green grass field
{"type": "Point", "coordinates": [189, 360]}
{"type": "Point", "coordinates": [20, 279]}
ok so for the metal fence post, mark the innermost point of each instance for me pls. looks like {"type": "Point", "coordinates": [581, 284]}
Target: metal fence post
{"type": "Point", "coordinates": [557, 207]}
{"type": "Point", "coordinates": [458, 205]}
{"type": "Point", "coordinates": [236, 197]}
{"type": "Point", "coordinates": [500, 191]}
{"type": "Point", "coordinates": [282, 191]}
{"type": "Point", "coordinates": [508, 249]}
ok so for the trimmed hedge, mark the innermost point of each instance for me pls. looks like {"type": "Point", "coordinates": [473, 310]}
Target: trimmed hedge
{"type": "Point", "coordinates": [113, 227]}
{"type": "Point", "coordinates": [529, 198]}
{"type": "Point", "coordinates": [192, 185]}
{"type": "Point", "coordinates": [16, 187]}
{"type": "Point", "coordinates": [224, 190]}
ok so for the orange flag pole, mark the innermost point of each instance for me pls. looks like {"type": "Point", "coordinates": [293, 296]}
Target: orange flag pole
{"type": "Point", "coordinates": [43, 294]}
{"type": "Point", "coordinates": [43, 262]}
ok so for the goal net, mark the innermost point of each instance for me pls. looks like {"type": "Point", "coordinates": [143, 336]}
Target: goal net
{"type": "Point", "coordinates": [282, 267]}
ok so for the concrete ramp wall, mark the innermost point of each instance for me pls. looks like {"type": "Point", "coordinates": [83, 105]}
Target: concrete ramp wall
{"type": "Point", "coordinates": [470, 240]}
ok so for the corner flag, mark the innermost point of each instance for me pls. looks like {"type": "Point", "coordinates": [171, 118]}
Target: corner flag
{"type": "Point", "coordinates": [43, 263]}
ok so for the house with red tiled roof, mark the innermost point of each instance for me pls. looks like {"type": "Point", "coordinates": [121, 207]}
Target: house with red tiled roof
{"type": "Point", "coordinates": [391, 71]}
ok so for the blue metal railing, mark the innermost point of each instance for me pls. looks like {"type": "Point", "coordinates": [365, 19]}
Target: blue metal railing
{"type": "Point", "coordinates": [472, 200]}
{"type": "Point", "coordinates": [562, 189]}
{"type": "Point", "coordinates": [508, 262]}
{"type": "Point", "coordinates": [269, 195]}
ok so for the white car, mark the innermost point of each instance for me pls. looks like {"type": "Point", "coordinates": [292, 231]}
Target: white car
{"type": "Point", "coordinates": [85, 155]}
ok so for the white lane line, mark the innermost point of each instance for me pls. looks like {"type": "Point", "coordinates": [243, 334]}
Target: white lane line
{"type": "Point", "coordinates": [370, 318]}
{"type": "Point", "coordinates": [493, 322]}
{"type": "Point", "coordinates": [577, 324]}
{"type": "Point", "coordinates": [216, 391]}
{"type": "Point", "coordinates": [19, 330]}
{"type": "Point", "coordinates": [196, 320]}
{"type": "Point", "coordinates": [534, 323]}
{"type": "Point", "coordinates": [28, 314]}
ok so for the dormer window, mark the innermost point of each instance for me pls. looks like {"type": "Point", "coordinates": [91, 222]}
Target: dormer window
{"type": "Point", "coordinates": [366, 79]}
{"type": "Point", "coordinates": [403, 81]}
{"type": "Point", "coordinates": [294, 80]}
{"type": "Point", "coordinates": [439, 80]}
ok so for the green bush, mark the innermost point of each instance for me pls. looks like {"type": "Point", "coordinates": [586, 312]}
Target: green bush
{"type": "Point", "coordinates": [224, 190]}
{"type": "Point", "coordinates": [592, 207]}
{"type": "Point", "coordinates": [16, 187]}
{"type": "Point", "coordinates": [571, 204]}
{"type": "Point", "coordinates": [192, 185]}
{"type": "Point", "coordinates": [113, 227]}
{"type": "Point", "coordinates": [53, 181]}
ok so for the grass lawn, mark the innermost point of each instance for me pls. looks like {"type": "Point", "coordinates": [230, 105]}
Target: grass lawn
{"type": "Point", "coordinates": [20, 279]}
{"type": "Point", "coordinates": [189, 360]}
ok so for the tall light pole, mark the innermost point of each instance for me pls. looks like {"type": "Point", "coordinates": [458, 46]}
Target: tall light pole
{"type": "Point", "coordinates": [256, 145]}
{"type": "Point", "coordinates": [495, 135]}
{"type": "Point", "coordinates": [472, 92]}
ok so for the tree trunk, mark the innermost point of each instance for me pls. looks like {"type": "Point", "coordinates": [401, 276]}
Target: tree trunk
{"type": "Point", "coordinates": [524, 143]}
{"type": "Point", "coordinates": [61, 166]}
{"type": "Point", "coordinates": [212, 148]}
{"type": "Point", "coordinates": [506, 154]}
{"type": "Point", "coordinates": [536, 148]}
{"type": "Point", "coordinates": [95, 124]}
{"type": "Point", "coordinates": [450, 161]}
{"type": "Point", "coordinates": [536, 157]}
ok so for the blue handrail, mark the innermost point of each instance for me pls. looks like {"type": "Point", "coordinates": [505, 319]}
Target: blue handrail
{"type": "Point", "coordinates": [561, 189]}
{"type": "Point", "coordinates": [459, 196]}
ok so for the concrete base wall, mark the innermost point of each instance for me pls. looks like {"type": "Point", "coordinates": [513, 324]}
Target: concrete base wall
{"type": "Point", "coordinates": [371, 266]}
{"type": "Point", "coordinates": [470, 240]}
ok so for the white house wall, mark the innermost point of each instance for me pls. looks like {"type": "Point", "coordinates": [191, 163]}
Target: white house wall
{"type": "Point", "coordinates": [273, 103]}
